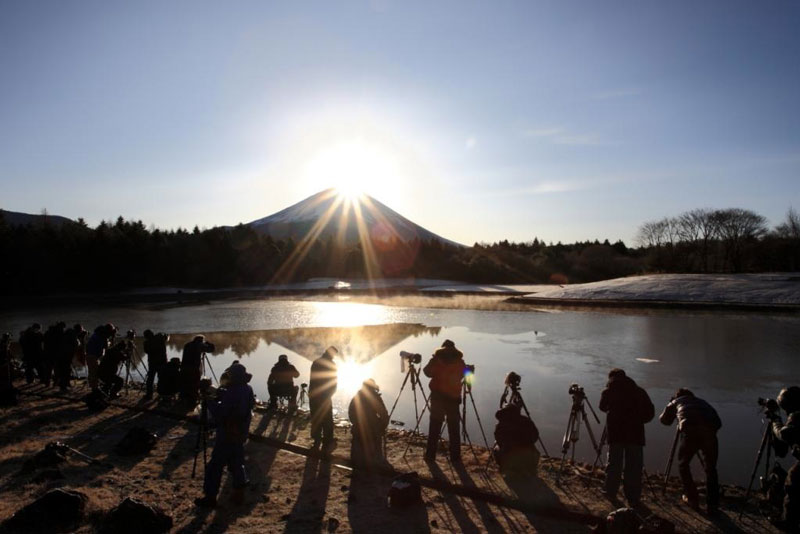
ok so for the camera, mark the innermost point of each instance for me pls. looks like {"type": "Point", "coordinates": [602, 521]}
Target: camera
{"type": "Point", "coordinates": [469, 368]}
{"type": "Point", "coordinates": [411, 357]}
{"type": "Point", "coordinates": [576, 390]}
{"type": "Point", "coordinates": [769, 405]}
{"type": "Point", "coordinates": [513, 380]}
{"type": "Point", "coordinates": [130, 334]}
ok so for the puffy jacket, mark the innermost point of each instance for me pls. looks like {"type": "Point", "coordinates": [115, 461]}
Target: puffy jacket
{"type": "Point", "coordinates": [233, 412]}
{"type": "Point", "coordinates": [628, 407]}
{"type": "Point", "coordinates": [691, 413]}
{"type": "Point", "coordinates": [322, 383]}
{"type": "Point", "coordinates": [446, 371]}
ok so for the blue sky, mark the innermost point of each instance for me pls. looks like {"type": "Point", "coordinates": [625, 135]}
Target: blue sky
{"type": "Point", "coordinates": [479, 120]}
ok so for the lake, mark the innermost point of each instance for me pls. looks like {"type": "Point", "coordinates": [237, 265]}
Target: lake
{"type": "Point", "coordinates": [728, 359]}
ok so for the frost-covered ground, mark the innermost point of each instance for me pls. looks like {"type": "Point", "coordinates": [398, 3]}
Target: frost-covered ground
{"type": "Point", "coordinates": [769, 289]}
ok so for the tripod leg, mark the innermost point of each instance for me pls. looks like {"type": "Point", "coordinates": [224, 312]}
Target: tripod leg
{"type": "Point", "coordinates": [566, 442]}
{"type": "Point", "coordinates": [603, 440]}
{"type": "Point", "coordinates": [671, 458]}
{"type": "Point", "coordinates": [764, 444]}
{"type": "Point", "coordinates": [405, 380]}
{"type": "Point", "coordinates": [416, 427]}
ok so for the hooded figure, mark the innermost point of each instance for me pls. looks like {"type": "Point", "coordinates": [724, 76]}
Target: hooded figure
{"type": "Point", "coordinates": [515, 442]}
{"type": "Point", "coordinates": [368, 414]}
{"type": "Point", "coordinates": [628, 407]}
{"type": "Point", "coordinates": [321, 388]}
{"type": "Point", "coordinates": [446, 370]}
{"type": "Point", "coordinates": [233, 412]}
{"type": "Point", "coordinates": [192, 367]}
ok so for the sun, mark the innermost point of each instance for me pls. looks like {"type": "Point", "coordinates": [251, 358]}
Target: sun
{"type": "Point", "coordinates": [353, 168]}
{"type": "Point", "coordinates": [351, 374]}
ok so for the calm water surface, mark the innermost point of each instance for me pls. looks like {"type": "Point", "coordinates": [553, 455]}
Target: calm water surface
{"type": "Point", "coordinates": [728, 359]}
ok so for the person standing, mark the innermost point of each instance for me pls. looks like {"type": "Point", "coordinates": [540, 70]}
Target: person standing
{"type": "Point", "coordinates": [155, 346]}
{"type": "Point", "coordinates": [233, 412]}
{"type": "Point", "coordinates": [369, 417]}
{"type": "Point", "coordinates": [446, 370]}
{"type": "Point", "coordinates": [192, 368]}
{"type": "Point", "coordinates": [321, 387]}
{"type": "Point", "coordinates": [31, 341]}
{"type": "Point", "coordinates": [628, 407]}
{"type": "Point", "coordinates": [96, 348]}
{"type": "Point", "coordinates": [53, 342]}
{"type": "Point", "coordinates": [698, 424]}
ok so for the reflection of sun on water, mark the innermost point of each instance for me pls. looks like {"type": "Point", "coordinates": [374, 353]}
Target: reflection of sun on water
{"type": "Point", "coordinates": [349, 314]}
{"type": "Point", "coordinates": [351, 375]}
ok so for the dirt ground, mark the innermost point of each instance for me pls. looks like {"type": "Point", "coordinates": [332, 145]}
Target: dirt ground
{"type": "Point", "coordinates": [291, 491]}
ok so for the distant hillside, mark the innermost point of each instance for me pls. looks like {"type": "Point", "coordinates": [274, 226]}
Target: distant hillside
{"type": "Point", "coordinates": [13, 218]}
{"type": "Point", "coordinates": [332, 215]}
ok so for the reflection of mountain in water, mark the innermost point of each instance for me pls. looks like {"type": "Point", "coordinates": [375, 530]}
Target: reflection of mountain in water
{"type": "Point", "coordinates": [362, 343]}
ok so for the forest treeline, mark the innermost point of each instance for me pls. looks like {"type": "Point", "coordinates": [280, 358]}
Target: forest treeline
{"type": "Point", "coordinates": [44, 257]}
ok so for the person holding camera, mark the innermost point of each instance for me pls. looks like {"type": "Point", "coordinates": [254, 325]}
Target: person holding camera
{"type": "Point", "coordinates": [68, 348]}
{"type": "Point", "coordinates": [321, 387]}
{"type": "Point", "coordinates": [233, 411]}
{"type": "Point", "coordinates": [30, 340]}
{"type": "Point", "coordinates": [108, 369]}
{"type": "Point", "coordinates": [53, 339]}
{"type": "Point", "coordinates": [446, 370]}
{"type": "Point", "coordinates": [155, 346]}
{"type": "Point", "coordinates": [628, 407]}
{"type": "Point", "coordinates": [192, 368]}
{"type": "Point", "coordinates": [787, 438]}
{"type": "Point", "coordinates": [280, 383]}
{"type": "Point", "coordinates": [368, 414]}
{"type": "Point", "coordinates": [698, 424]}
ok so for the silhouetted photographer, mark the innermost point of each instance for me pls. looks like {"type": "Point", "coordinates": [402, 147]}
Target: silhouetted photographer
{"type": "Point", "coordinates": [155, 346]}
{"type": "Point", "coordinates": [786, 438]}
{"type": "Point", "coordinates": [30, 342]}
{"type": "Point", "coordinates": [515, 442]}
{"type": "Point", "coordinates": [169, 379]}
{"type": "Point", "coordinates": [280, 383]}
{"type": "Point", "coordinates": [628, 407]}
{"type": "Point", "coordinates": [231, 408]}
{"type": "Point", "coordinates": [698, 424]}
{"type": "Point", "coordinates": [322, 386]}
{"type": "Point", "coordinates": [192, 362]}
{"type": "Point", "coordinates": [368, 414]}
{"type": "Point", "coordinates": [108, 371]}
{"type": "Point", "coordinates": [446, 370]}
{"type": "Point", "coordinates": [96, 347]}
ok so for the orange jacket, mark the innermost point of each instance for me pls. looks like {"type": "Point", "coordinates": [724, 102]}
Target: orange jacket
{"type": "Point", "coordinates": [446, 371]}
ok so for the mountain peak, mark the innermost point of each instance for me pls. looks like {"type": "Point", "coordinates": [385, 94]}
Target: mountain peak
{"type": "Point", "coordinates": [330, 213]}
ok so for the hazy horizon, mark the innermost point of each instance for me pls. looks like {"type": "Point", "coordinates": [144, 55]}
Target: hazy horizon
{"type": "Point", "coordinates": [563, 121]}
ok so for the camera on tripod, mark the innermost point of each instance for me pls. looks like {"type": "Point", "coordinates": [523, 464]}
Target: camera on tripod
{"type": "Point", "coordinates": [577, 391]}
{"type": "Point", "coordinates": [769, 405]}
{"type": "Point", "coordinates": [513, 380]}
{"type": "Point", "coordinates": [411, 357]}
{"type": "Point", "coordinates": [469, 369]}
{"type": "Point", "coordinates": [130, 335]}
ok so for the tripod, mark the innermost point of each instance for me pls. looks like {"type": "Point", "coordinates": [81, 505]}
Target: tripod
{"type": "Point", "coordinates": [130, 357]}
{"type": "Point", "coordinates": [572, 434]}
{"type": "Point", "coordinates": [202, 438]}
{"type": "Point", "coordinates": [766, 444]}
{"type": "Point", "coordinates": [645, 475]}
{"type": "Point", "coordinates": [413, 375]}
{"type": "Point", "coordinates": [516, 398]}
{"type": "Point", "coordinates": [207, 362]}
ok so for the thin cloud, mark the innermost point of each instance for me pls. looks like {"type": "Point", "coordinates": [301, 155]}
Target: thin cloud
{"type": "Point", "coordinates": [617, 93]}
{"type": "Point", "coordinates": [561, 136]}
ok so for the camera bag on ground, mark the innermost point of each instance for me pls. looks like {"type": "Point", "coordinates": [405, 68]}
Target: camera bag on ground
{"type": "Point", "coordinates": [96, 401]}
{"type": "Point", "coordinates": [405, 491]}
{"type": "Point", "coordinates": [137, 441]}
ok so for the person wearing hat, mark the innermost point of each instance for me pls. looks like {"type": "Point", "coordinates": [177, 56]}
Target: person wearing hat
{"type": "Point", "coordinates": [192, 368]}
{"type": "Point", "coordinates": [789, 435]}
{"type": "Point", "coordinates": [155, 346]}
{"type": "Point", "coordinates": [280, 382]}
{"type": "Point", "coordinates": [321, 387]}
{"type": "Point", "coordinates": [232, 411]}
{"type": "Point", "coordinates": [369, 417]}
{"type": "Point", "coordinates": [446, 370]}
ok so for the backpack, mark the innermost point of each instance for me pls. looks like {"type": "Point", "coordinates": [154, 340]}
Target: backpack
{"type": "Point", "coordinates": [405, 491]}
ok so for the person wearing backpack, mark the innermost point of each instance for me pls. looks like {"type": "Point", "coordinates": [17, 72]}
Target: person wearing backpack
{"type": "Point", "coordinates": [628, 407]}
{"type": "Point", "coordinates": [698, 424]}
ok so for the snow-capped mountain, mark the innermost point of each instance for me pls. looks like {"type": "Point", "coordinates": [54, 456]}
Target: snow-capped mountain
{"type": "Point", "coordinates": [334, 215]}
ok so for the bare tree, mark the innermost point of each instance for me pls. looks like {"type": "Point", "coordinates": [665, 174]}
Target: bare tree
{"type": "Point", "coordinates": [699, 227]}
{"type": "Point", "coordinates": [736, 227]}
{"type": "Point", "coordinates": [790, 227]}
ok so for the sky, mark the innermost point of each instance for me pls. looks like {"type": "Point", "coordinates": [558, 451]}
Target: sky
{"type": "Point", "coordinates": [481, 121]}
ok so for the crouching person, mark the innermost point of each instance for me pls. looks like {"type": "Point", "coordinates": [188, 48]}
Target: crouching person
{"type": "Point", "coordinates": [370, 419]}
{"type": "Point", "coordinates": [515, 442]}
{"type": "Point", "coordinates": [232, 410]}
